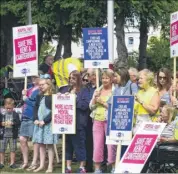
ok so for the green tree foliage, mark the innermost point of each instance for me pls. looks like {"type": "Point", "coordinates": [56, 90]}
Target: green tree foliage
{"type": "Point", "coordinates": [159, 54]}
{"type": "Point", "coordinates": [151, 13]}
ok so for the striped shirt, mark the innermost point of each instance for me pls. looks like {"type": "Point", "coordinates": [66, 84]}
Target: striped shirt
{"type": "Point", "coordinates": [168, 131]}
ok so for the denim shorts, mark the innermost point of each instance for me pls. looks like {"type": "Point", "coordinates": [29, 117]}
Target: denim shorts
{"type": "Point", "coordinates": [26, 128]}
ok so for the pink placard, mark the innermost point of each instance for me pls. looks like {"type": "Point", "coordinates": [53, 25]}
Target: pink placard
{"type": "Point", "coordinates": [174, 33]}
{"type": "Point", "coordinates": [140, 149]}
{"type": "Point", "coordinates": [25, 49]}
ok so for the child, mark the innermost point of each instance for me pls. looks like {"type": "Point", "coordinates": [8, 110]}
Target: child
{"type": "Point", "coordinates": [9, 125]}
{"type": "Point", "coordinates": [42, 119]}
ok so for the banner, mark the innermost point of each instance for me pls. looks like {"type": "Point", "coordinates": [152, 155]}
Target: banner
{"type": "Point", "coordinates": [174, 34]}
{"type": "Point", "coordinates": [140, 148]}
{"type": "Point", "coordinates": [121, 118]}
{"type": "Point", "coordinates": [63, 114]}
{"type": "Point", "coordinates": [25, 51]}
{"type": "Point", "coordinates": [95, 48]}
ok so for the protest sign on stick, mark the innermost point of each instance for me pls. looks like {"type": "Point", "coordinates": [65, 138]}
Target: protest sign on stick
{"type": "Point", "coordinates": [25, 52]}
{"type": "Point", "coordinates": [140, 148]}
{"type": "Point", "coordinates": [174, 42]}
{"type": "Point", "coordinates": [95, 48]}
{"type": "Point", "coordinates": [63, 118]}
{"type": "Point", "coordinates": [120, 121]}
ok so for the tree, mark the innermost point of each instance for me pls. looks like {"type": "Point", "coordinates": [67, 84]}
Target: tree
{"type": "Point", "coordinates": [150, 13]}
{"type": "Point", "coordinates": [159, 54]}
{"type": "Point", "coordinates": [123, 12]}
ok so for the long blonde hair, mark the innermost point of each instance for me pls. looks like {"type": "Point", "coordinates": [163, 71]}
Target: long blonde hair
{"type": "Point", "coordinates": [50, 90]}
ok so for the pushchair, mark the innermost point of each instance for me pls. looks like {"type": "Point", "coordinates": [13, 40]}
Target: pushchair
{"type": "Point", "coordinates": [164, 159]}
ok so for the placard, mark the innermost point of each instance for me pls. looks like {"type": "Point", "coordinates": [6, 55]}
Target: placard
{"type": "Point", "coordinates": [140, 148]}
{"type": "Point", "coordinates": [174, 34]}
{"type": "Point", "coordinates": [63, 114]}
{"type": "Point", "coordinates": [121, 118]}
{"type": "Point", "coordinates": [95, 48]}
{"type": "Point", "coordinates": [25, 51]}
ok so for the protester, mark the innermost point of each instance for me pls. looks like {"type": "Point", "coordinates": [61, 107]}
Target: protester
{"type": "Point", "coordinates": [42, 119]}
{"type": "Point", "coordinates": [123, 88]}
{"type": "Point", "coordinates": [167, 115]}
{"type": "Point", "coordinates": [89, 134]}
{"type": "Point", "coordinates": [85, 80]}
{"type": "Point", "coordinates": [147, 100]}
{"type": "Point", "coordinates": [164, 85]}
{"type": "Point", "coordinates": [77, 142]}
{"type": "Point", "coordinates": [133, 73]}
{"type": "Point", "coordinates": [26, 129]}
{"type": "Point", "coordinates": [9, 126]}
{"type": "Point", "coordinates": [46, 66]}
{"type": "Point", "coordinates": [99, 106]}
{"type": "Point", "coordinates": [169, 134]}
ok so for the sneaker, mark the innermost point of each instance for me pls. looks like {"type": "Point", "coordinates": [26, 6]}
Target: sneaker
{"type": "Point", "coordinates": [1, 166]}
{"type": "Point", "coordinates": [68, 171]}
{"type": "Point", "coordinates": [81, 170]}
{"type": "Point", "coordinates": [98, 171]}
{"type": "Point", "coordinates": [13, 166]}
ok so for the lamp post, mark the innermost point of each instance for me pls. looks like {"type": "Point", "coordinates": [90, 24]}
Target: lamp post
{"type": "Point", "coordinates": [110, 15]}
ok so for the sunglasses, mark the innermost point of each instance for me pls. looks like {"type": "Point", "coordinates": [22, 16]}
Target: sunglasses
{"type": "Point", "coordinates": [85, 80]}
{"type": "Point", "coordinates": [162, 77]}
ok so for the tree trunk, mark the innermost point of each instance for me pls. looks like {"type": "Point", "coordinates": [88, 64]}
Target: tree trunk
{"type": "Point", "coordinates": [7, 22]}
{"type": "Point", "coordinates": [122, 60]}
{"type": "Point", "coordinates": [40, 38]}
{"type": "Point", "coordinates": [143, 44]}
{"type": "Point", "coordinates": [58, 51]}
{"type": "Point", "coordinates": [67, 41]}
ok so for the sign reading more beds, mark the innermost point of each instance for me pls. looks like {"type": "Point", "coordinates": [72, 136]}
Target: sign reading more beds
{"type": "Point", "coordinates": [25, 51]}
{"type": "Point", "coordinates": [95, 48]}
{"type": "Point", "coordinates": [63, 114]}
{"type": "Point", "coordinates": [121, 118]}
{"type": "Point", "coordinates": [174, 34]}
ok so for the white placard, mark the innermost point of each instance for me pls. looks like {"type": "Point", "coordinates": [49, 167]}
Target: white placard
{"type": "Point", "coordinates": [25, 51]}
{"type": "Point", "coordinates": [63, 114]}
{"type": "Point", "coordinates": [140, 148]}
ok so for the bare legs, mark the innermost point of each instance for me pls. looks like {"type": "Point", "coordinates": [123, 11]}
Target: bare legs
{"type": "Point", "coordinates": [24, 149]}
{"type": "Point", "coordinates": [43, 156]}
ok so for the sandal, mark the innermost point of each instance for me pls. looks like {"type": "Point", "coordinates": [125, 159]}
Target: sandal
{"type": "Point", "coordinates": [49, 170]}
{"type": "Point", "coordinates": [32, 167]}
{"type": "Point", "coordinates": [23, 166]}
{"type": "Point", "coordinates": [38, 169]}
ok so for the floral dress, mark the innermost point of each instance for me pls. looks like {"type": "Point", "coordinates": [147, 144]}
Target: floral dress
{"type": "Point", "coordinates": [43, 135]}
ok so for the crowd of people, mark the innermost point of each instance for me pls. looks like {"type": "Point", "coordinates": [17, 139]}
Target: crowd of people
{"type": "Point", "coordinates": [154, 102]}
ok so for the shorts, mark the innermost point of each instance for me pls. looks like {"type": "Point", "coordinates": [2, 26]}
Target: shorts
{"type": "Point", "coordinates": [26, 128]}
{"type": "Point", "coordinates": [8, 141]}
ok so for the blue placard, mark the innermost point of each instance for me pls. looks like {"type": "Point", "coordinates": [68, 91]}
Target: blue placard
{"type": "Point", "coordinates": [95, 42]}
{"type": "Point", "coordinates": [121, 117]}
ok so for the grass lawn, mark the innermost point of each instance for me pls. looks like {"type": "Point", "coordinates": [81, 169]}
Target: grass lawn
{"type": "Point", "coordinates": [57, 167]}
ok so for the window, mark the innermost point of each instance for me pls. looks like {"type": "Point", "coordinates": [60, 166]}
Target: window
{"type": "Point", "coordinates": [130, 40]}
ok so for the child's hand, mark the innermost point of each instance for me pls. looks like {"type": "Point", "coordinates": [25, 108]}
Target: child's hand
{"type": "Point", "coordinates": [41, 123]}
{"type": "Point", "coordinates": [36, 122]}
{"type": "Point", "coordinates": [3, 123]}
{"type": "Point", "coordinates": [24, 92]}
